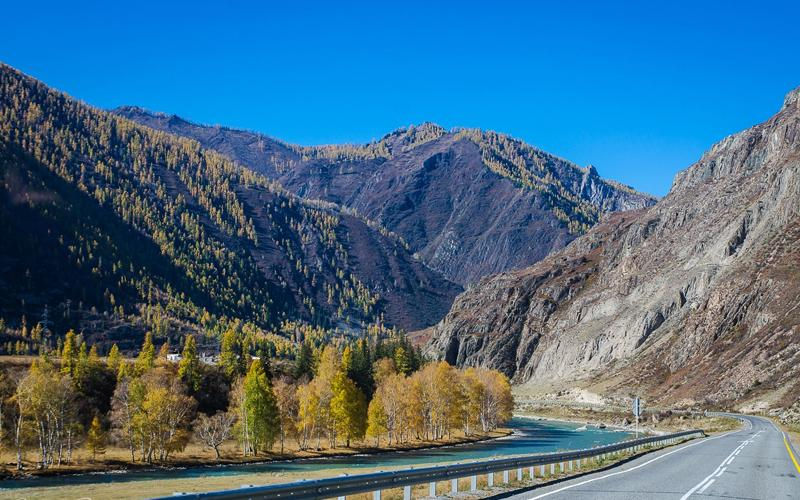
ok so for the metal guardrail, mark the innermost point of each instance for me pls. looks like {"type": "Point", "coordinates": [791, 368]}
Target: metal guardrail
{"type": "Point", "coordinates": [377, 481]}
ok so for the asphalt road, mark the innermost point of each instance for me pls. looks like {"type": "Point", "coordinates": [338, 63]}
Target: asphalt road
{"type": "Point", "coordinates": [751, 463]}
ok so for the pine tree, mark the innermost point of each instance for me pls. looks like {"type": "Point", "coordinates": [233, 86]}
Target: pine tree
{"type": "Point", "coordinates": [230, 357]}
{"type": "Point", "coordinates": [347, 359]}
{"type": "Point", "coordinates": [81, 371]}
{"type": "Point", "coordinates": [69, 354]}
{"type": "Point", "coordinates": [96, 438]}
{"type": "Point", "coordinates": [303, 362]}
{"type": "Point", "coordinates": [401, 360]}
{"type": "Point", "coordinates": [189, 367]}
{"type": "Point", "coordinates": [114, 360]}
{"type": "Point", "coordinates": [147, 356]}
{"type": "Point", "coordinates": [94, 358]}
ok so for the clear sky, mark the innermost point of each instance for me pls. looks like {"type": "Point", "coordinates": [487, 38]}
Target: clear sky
{"type": "Point", "coordinates": [638, 90]}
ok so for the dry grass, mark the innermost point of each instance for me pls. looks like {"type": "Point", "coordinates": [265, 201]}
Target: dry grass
{"type": "Point", "coordinates": [195, 454]}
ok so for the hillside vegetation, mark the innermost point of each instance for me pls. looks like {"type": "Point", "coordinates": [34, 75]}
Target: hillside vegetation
{"type": "Point", "coordinates": [112, 226]}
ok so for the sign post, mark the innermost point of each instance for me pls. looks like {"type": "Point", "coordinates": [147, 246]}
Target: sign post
{"type": "Point", "coordinates": [637, 412]}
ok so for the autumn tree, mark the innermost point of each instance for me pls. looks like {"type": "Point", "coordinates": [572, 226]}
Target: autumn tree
{"type": "Point", "coordinates": [146, 359]}
{"type": "Point", "coordinates": [348, 408]}
{"type": "Point", "coordinates": [162, 420]}
{"type": "Point", "coordinates": [286, 395]}
{"type": "Point", "coordinates": [376, 419]}
{"type": "Point", "coordinates": [96, 438]}
{"type": "Point", "coordinates": [309, 415]}
{"type": "Point", "coordinates": [259, 418]}
{"type": "Point", "coordinates": [69, 354]}
{"type": "Point", "coordinates": [47, 399]}
{"type": "Point", "coordinates": [231, 357]}
{"type": "Point", "coordinates": [114, 360]}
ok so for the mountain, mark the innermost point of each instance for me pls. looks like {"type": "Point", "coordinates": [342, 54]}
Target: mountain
{"type": "Point", "coordinates": [469, 203]}
{"type": "Point", "coordinates": [117, 228]}
{"type": "Point", "coordinates": [693, 298]}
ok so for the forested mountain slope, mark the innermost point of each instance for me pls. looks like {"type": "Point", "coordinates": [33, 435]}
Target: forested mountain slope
{"type": "Point", "coordinates": [468, 202]}
{"type": "Point", "coordinates": [695, 297]}
{"type": "Point", "coordinates": [112, 224]}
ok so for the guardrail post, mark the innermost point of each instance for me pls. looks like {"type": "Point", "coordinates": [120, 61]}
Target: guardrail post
{"type": "Point", "coordinates": [376, 495]}
{"type": "Point", "coordinates": [541, 469]}
{"type": "Point", "coordinates": [490, 479]}
{"type": "Point", "coordinates": [432, 489]}
{"type": "Point", "coordinates": [519, 474]}
{"type": "Point", "coordinates": [505, 476]}
{"type": "Point", "coordinates": [454, 486]}
{"type": "Point", "coordinates": [473, 483]}
{"type": "Point", "coordinates": [530, 471]}
{"type": "Point", "coordinates": [342, 498]}
{"type": "Point", "coordinates": [552, 469]}
{"type": "Point", "coordinates": [570, 465]}
{"type": "Point", "coordinates": [407, 492]}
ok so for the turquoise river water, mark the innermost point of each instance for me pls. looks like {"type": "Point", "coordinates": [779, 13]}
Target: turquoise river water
{"type": "Point", "coordinates": [530, 436]}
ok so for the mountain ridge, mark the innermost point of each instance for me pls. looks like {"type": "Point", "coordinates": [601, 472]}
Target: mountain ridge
{"type": "Point", "coordinates": [241, 250]}
{"type": "Point", "coordinates": [468, 202]}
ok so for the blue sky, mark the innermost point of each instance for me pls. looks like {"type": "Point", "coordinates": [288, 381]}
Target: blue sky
{"type": "Point", "coordinates": [638, 90]}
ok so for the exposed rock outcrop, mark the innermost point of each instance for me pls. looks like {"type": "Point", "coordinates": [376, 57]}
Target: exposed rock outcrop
{"type": "Point", "coordinates": [694, 297]}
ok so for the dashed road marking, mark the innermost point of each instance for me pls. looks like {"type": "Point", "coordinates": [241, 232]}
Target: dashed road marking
{"type": "Point", "coordinates": [704, 488]}
{"type": "Point", "coordinates": [705, 483]}
{"type": "Point", "coordinates": [570, 486]}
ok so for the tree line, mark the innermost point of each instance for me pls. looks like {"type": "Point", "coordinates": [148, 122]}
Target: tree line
{"type": "Point", "coordinates": [371, 392]}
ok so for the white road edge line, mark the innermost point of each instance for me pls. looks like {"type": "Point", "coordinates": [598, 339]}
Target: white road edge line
{"type": "Point", "coordinates": [564, 488]}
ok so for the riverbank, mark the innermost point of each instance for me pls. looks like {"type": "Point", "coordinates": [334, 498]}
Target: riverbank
{"type": "Point", "coordinates": [529, 436]}
{"type": "Point", "coordinates": [652, 423]}
{"type": "Point", "coordinates": [197, 456]}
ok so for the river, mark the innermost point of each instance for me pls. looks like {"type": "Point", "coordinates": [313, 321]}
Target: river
{"type": "Point", "coordinates": [530, 436]}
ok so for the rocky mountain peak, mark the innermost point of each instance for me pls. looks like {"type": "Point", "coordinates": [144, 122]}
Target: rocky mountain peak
{"type": "Point", "coordinates": [792, 99]}
{"type": "Point", "coordinates": [694, 297]}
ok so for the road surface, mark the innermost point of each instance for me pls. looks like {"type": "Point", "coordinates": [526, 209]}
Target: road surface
{"type": "Point", "coordinates": [751, 463]}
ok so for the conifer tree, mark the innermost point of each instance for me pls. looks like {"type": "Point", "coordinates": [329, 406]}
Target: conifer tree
{"type": "Point", "coordinates": [230, 358]}
{"type": "Point", "coordinates": [114, 360]}
{"type": "Point", "coordinates": [189, 367]}
{"type": "Point", "coordinates": [96, 438]}
{"type": "Point", "coordinates": [69, 354]}
{"type": "Point", "coordinates": [303, 362]}
{"type": "Point", "coordinates": [401, 360]}
{"type": "Point", "coordinates": [147, 356]}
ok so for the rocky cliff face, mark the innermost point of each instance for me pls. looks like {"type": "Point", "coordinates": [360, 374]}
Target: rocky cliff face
{"type": "Point", "coordinates": [468, 203]}
{"type": "Point", "coordinates": [697, 296]}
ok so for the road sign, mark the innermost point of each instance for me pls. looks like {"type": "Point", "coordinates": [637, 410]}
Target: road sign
{"type": "Point", "coordinates": [637, 412]}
